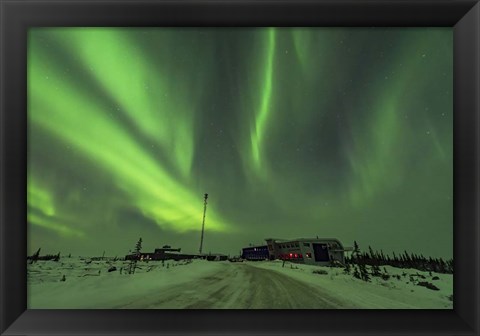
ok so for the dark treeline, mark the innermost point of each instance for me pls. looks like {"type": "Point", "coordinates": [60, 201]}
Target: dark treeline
{"type": "Point", "coordinates": [36, 256]}
{"type": "Point", "coordinates": [403, 260]}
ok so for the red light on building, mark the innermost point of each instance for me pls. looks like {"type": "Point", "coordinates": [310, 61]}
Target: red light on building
{"type": "Point", "coordinates": [291, 255]}
{"type": "Point", "coordinates": [296, 255]}
{"type": "Point", "coordinates": [300, 255]}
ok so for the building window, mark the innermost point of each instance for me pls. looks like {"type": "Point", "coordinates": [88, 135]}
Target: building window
{"type": "Point", "coordinates": [306, 244]}
{"type": "Point", "coordinates": [296, 245]}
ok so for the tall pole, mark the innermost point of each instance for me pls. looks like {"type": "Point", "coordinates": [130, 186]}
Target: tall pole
{"type": "Point", "coordinates": [203, 222]}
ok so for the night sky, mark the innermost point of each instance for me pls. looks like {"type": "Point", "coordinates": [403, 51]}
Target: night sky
{"type": "Point", "coordinates": [293, 132]}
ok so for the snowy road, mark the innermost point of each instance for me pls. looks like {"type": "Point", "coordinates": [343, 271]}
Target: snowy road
{"type": "Point", "coordinates": [238, 285]}
{"type": "Point", "coordinates": [208, 284]}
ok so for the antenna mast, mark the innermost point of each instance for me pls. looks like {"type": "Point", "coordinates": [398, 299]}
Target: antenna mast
{"type": "Point", "coordinates": [203, 222]}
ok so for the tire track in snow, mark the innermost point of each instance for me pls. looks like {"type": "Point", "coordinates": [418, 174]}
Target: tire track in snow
{"type": "Point", "coordinates": [239, 286]}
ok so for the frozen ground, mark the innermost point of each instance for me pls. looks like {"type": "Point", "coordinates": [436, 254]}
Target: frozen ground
{"type": "Point", "coordinates": [377, 294]}
{"type": "Point", "coordinates": [209, 284]}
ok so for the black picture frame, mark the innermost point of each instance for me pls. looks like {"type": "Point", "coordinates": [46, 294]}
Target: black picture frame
{"type": "Point", "coordinates": [17, 16]}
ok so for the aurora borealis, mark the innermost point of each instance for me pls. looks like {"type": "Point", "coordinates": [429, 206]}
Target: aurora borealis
{"type": "Point", "coordinates": [293, 132]}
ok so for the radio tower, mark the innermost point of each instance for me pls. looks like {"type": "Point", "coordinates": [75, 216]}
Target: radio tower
{"type": "Point", "coordinates": [203, 222]}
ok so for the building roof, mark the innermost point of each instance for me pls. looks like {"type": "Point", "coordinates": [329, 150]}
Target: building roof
{"type": "Point", "coordinates": [254, 246]}
{"type": "Point", "coordinates": [303, 240]}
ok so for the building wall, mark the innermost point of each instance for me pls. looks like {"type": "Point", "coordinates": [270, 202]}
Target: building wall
{"type": "Point", "coordinates": [256, 253]}
{"type": "Point", "coordinates": [308, 251]}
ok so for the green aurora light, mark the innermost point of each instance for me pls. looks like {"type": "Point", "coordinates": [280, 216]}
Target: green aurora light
{"type": "Point", "coordinates": [293, 132]}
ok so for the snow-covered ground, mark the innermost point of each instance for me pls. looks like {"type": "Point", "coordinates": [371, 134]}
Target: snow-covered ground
{"type": "Point", "coordinates": [92, 286]}
{"type": "Point", "coordinates": [377, 294]}
{"type": "Point", "coordinates": [209, 284]}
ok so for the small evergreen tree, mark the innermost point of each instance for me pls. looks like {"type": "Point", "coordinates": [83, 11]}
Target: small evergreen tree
{"type": "Point", "coordinates": [376, 271]}
{"type": "Point", "coordinates": [35, 256]}
{"type": "Point", "coordinates": [382, 257]}
{"type": "Point", "coordinates": [372, 258]}
{"type": "Point", "coordinates": [356, 272]}
{"type": "Point", "coordinates": [138, 247]}
{"type": "Point", "coordinates": [356, 252]}
{"type": "Point", "coordinates": [364, 273]}
{"type": "Point", "coordinates": [136, 255]}
{"type": "Point", "coordinates": [385, 276]}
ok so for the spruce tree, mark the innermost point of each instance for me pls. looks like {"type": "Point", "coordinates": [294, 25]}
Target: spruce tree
{"type": "Point", "coordinates": [356, 272]}
{"type": "Point", "coordinates": [376, 271]}
{"type": "Point", "coordinates": [356, 251]}
{"type": "Point", "coordinates": [395, 260]}
{"type": "Point", "coordinates": [372, 256]}
{"type": "Point", "coordinates": [382, 256]}
{"type": "Point", "coordinates": [136, 255]}
{"type": "Point", "coordinates": [138, 247]}
{"type": "Point", "coordinates": [364, 273]}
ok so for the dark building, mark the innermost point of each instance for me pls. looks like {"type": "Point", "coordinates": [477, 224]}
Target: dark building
{"type": "Point", "coordinates": [164, 253]}
{"type": "Point", "coordinates": [168, 253]}
{"type": "Point", "coordinates": [256, 253]}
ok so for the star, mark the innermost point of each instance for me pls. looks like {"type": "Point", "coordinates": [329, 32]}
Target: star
{"type": "Point", "coordinates": [171, 118]}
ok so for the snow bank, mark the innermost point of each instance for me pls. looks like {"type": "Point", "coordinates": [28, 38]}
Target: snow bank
{"type": "Point", "coordinates": [86, 287]}
{"type": "Point", "coordinates": [377, 294]}
{"type": "Point", "coordinates": [88, 284]}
